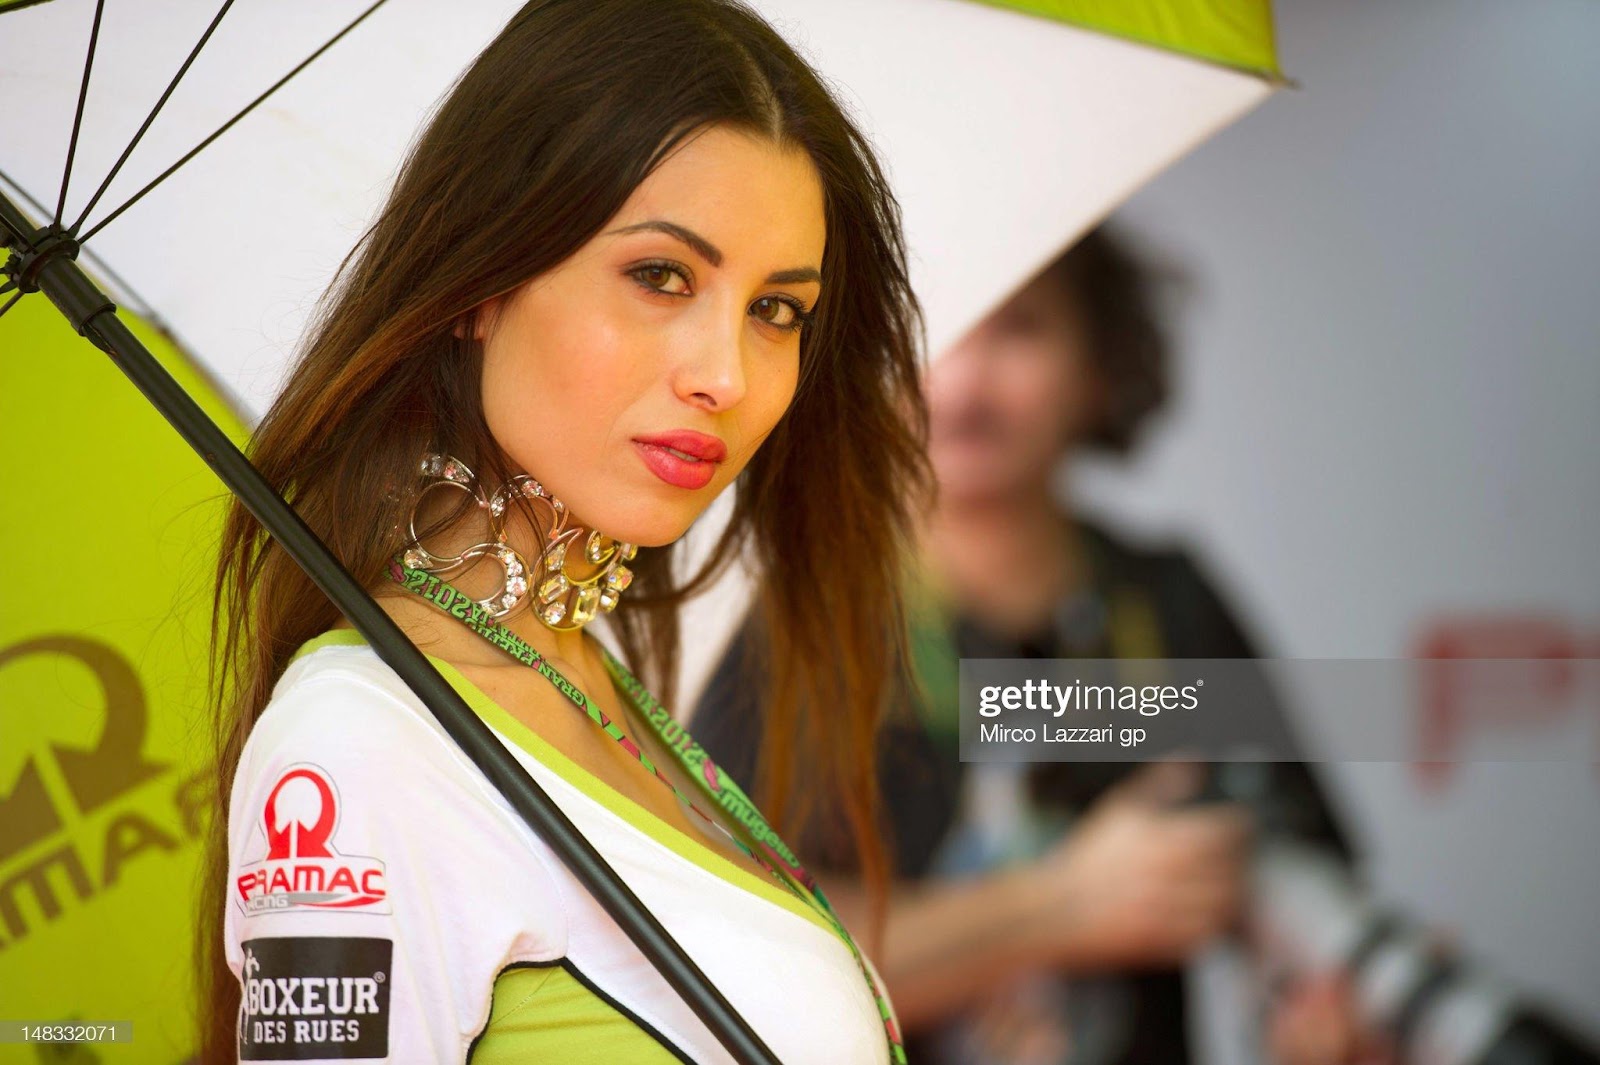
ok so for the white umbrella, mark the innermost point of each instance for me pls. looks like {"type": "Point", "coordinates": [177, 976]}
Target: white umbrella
{"type": "Point", "coordinates": [1006, 135]}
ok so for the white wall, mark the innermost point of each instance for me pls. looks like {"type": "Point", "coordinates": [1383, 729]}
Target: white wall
{"type": "Point", "coordinates": [1388, 392]}
{"type": "Point", "coordinates": [1389, 383]}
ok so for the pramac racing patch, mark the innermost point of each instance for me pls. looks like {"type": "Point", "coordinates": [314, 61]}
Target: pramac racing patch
{"type": "Point", "coordinates": [302, 870]}
{"type": "Point", "coordinates": [307, 997]}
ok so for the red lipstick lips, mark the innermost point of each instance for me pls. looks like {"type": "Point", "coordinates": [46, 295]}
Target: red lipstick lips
{"type": "Point", "coordinates": [683, 458]}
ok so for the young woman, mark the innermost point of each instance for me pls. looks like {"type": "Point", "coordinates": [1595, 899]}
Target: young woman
{"type": "Point", "coordinates": [637, 255]}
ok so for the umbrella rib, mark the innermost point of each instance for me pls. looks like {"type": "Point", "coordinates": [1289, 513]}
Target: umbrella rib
{"type": "Point", "coordinates": [134, 143]}
{"type": "Point", "coordinates": [35, 204]}
{"type": "Point", "coordinates": [197, 149]}
{"type": "Point", "coordinates": [77, 120]}
{"type": "Point", "coordinates": [131, 297]}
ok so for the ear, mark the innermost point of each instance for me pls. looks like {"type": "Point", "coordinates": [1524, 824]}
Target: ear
{"type": "Point", "coordinates": [482, 317]}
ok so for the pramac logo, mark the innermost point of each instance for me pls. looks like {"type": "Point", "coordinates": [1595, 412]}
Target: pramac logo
{"type": "Point", "coordinates": [302, 869]}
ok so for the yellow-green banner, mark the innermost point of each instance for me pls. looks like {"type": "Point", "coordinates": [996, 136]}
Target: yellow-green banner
{"type": "Point", "coordinates": [108, 532]}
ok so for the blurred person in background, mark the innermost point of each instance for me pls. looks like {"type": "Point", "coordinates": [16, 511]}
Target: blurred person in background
{"type": "Point", "coordinates": [1043, 913]}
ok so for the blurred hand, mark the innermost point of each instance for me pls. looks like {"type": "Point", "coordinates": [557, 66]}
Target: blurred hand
{"type": "Point", "coordinates": [1139, 882]}
{"type": "Point", "coordinates": [1316, 1023]}
{"type": "Point", "coordinates": [1020, 1023]}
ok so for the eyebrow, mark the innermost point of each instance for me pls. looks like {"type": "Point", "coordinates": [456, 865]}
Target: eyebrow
{"type": "Point", "coordinates": [712, 254]}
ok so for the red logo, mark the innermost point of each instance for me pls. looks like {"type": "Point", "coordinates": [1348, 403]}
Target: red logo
{"type": "Point", "coordinates": [1497, 674]}
{"type": "Point", "coordinates": [291, 838]}
{"type": "Point", "coordinates": [302, 869]}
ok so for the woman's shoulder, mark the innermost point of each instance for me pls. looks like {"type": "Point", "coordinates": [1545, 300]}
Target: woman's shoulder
{"type": "Point", "coordinates": [362, 853]}
{"type": "Point", "coordinates": [327, 685]}
{"type": "Point", "coordinates": [343, 745]}
{"type": "Point", "coordinates": [338, 703]}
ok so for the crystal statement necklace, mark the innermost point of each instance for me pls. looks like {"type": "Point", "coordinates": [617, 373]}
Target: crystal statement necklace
{"type": "Point", "coordinates": [562, 600]}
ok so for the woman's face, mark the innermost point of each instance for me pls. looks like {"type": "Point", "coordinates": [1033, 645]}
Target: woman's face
{"type": "Point", "coordinates": [638, 377]}
{"type": "Point", "coordinates": [1008, 398]}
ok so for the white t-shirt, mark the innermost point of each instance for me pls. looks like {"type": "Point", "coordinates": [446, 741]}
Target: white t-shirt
{"type": "Point", "coordinates": [381, 891]}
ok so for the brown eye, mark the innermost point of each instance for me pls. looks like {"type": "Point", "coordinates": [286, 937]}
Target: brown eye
{"type": "Point", "coordinates": [659, 278]}
{"type": "Point", "coordinates": [779, 312]}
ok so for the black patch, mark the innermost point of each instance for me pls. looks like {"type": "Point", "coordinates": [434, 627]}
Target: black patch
{"type": "Point", "coordinates": [315, 997]}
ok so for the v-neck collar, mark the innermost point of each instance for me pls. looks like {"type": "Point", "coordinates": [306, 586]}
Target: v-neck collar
{"type": "Point", "coordinates": [635, 814]}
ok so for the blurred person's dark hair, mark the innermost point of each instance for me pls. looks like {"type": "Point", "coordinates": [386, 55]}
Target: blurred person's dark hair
{"type": "Point", "coordinates": [1118, 291]}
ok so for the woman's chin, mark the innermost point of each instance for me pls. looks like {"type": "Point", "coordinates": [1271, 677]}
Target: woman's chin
{"type": "Point", "coordinates": [649, 530]}
{"type": "Point", "coordinates": [651, 514]}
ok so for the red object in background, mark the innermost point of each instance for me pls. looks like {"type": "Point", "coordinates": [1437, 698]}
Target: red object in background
{"type": "Point", "coordinates": [1467, 682]}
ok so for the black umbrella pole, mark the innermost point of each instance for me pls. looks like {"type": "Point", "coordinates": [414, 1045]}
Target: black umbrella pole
{"type": "Point", "coordinates": [42, 260]}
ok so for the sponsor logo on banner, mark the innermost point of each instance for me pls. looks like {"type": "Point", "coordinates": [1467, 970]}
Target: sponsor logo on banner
{"type": "Point", "coordinates": [313, 997]}
{"type": "Point", "coordinates": [79, 824]}
{"type": "Point", "coordinates": [302, 870]}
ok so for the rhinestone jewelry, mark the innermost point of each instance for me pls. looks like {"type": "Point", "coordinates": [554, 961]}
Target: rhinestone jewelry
{"type": "Point", "coordinates": [561, 600]}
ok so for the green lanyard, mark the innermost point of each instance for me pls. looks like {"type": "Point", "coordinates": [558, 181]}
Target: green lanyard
{"type": "Point", "coordinates": [785, 867]}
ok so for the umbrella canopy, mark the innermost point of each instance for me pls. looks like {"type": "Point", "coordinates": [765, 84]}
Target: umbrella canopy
{"type": "Point", "coordinates": [1006, 135]}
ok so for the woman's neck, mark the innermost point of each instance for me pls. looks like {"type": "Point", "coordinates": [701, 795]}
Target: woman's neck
{"type": "Point", "coordinates": [569, 650]}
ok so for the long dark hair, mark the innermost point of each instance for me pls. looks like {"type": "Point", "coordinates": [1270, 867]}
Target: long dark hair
{"type": "Point", "coordinates": [535, 148]}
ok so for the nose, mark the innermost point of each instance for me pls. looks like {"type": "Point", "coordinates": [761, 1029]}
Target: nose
{"type": "Point", "coordinates": [711, 375]}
